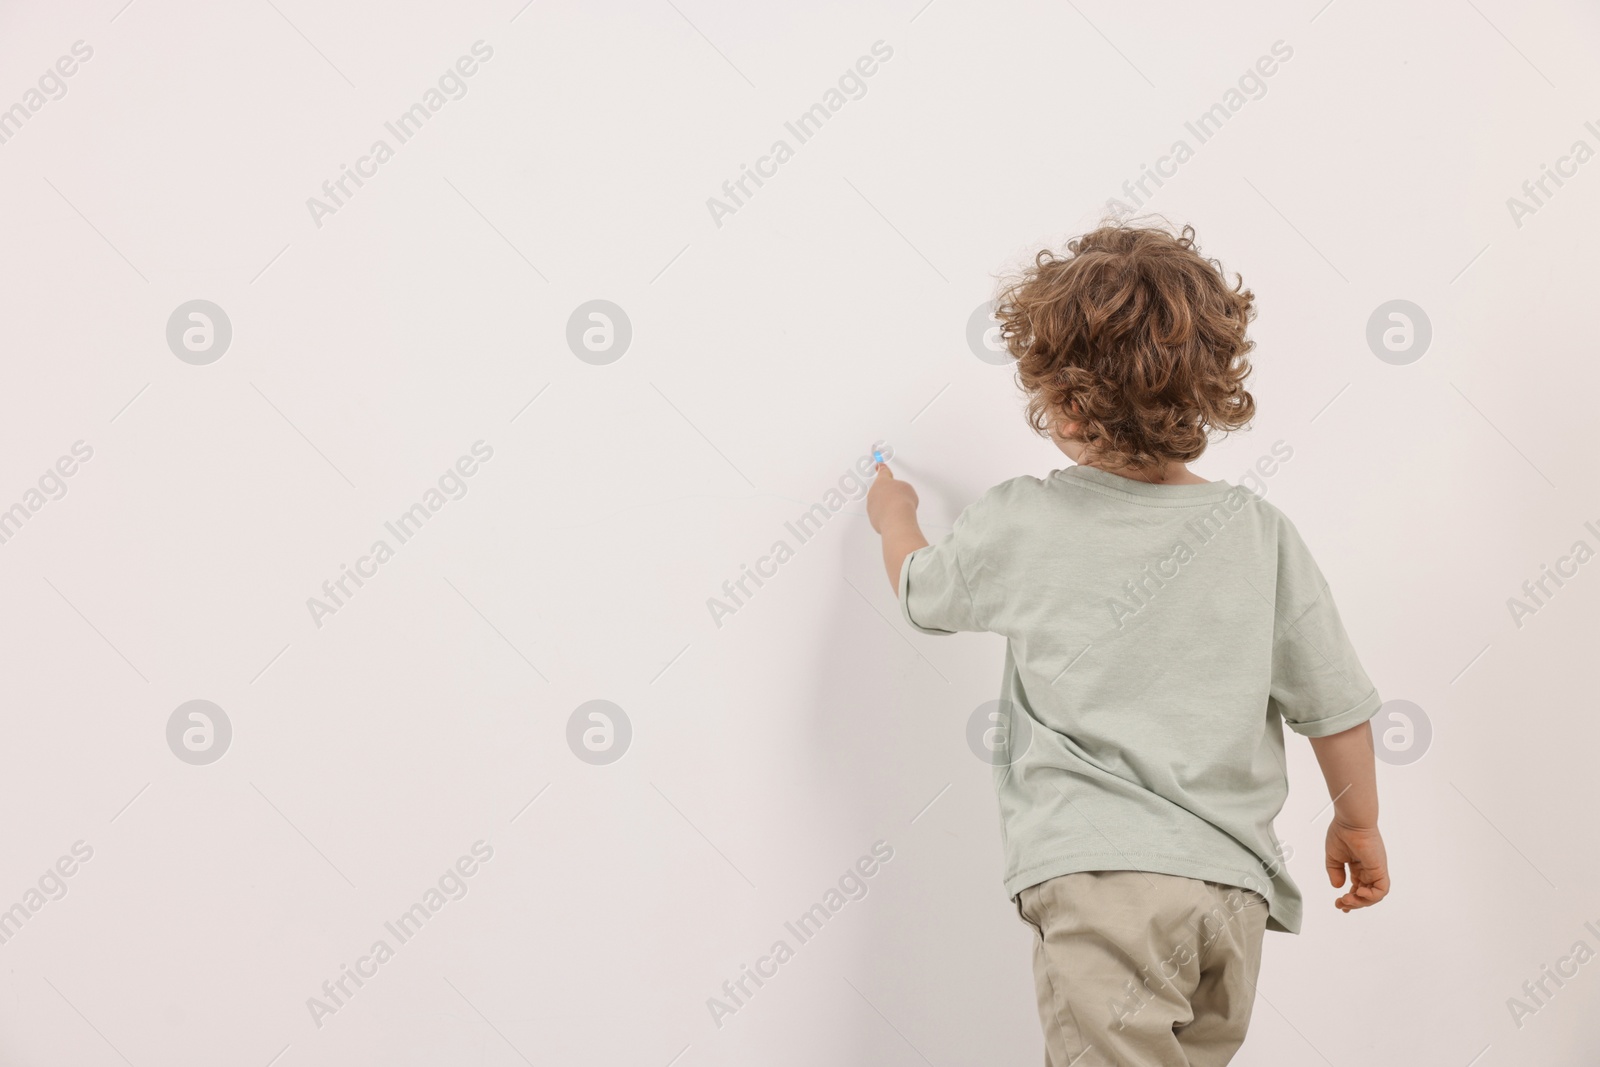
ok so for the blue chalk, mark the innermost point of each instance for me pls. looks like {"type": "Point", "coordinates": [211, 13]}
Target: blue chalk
{"type": "Point", "coordinates": [877, 457]}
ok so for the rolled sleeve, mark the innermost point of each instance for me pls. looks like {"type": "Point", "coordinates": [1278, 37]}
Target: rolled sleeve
{"type": "Point", "coordinates": [1318, 685]}
{"type": "Point", "coordinates": [1344, 720]}
{"type": "Point", "coordinates": [934, 598]}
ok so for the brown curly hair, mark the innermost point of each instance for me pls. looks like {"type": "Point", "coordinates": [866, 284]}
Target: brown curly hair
{"type": "Point", "coordinates": [1137, 338]}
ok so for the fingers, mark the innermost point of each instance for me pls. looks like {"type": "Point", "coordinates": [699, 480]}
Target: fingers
{"type": "Point", "coordinates": [884, 471]}
{"type": "Point", "coordinates": [1367, 887]}
{"type": "Point", "coordinates": [1374, 886]}
{"type": "Point", "coordinates": [1335, 871]}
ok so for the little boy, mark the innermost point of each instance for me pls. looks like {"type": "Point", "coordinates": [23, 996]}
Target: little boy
{"type": "Point", "coordinates": [1160, 628]}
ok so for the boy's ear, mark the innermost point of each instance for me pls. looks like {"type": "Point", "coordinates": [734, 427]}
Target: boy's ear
{"type": "Point", "coordinates": [1065, 425]}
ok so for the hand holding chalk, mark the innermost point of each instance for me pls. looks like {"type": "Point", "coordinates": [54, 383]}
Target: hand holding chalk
{"type": "Point", "coordinates": [888, 496]}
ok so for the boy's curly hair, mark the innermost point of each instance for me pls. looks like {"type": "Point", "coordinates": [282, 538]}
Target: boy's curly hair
{"type": "Point", "coordinates": [1137, 338]}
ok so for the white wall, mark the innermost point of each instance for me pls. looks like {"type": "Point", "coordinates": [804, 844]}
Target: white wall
{"type": "Point", "coordinates": [429, 312]}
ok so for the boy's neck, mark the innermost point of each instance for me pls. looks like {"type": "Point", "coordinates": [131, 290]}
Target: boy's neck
{"type": "Point", "coordinates": [1173, 473]}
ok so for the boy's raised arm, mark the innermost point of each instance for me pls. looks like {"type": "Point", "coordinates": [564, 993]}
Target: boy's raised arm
{"type": "Point", "coordinates": [892, 510]}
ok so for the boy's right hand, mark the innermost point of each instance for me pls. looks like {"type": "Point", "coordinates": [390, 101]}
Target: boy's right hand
{"type": "Point", "coordinates": [1362, 849]}
{"type": "Point", "coordinates": [886, 494]}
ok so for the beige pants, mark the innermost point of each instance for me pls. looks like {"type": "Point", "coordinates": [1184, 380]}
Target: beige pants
{"type": "Point", "coordinates": [1137, 969]}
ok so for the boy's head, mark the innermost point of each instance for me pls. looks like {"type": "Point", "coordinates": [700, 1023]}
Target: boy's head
{"type": "Point", "coordinates": [1131, 347]}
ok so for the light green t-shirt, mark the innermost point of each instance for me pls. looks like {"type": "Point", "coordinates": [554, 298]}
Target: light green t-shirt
{"type": "Point", "coordinates": [1157, 638]}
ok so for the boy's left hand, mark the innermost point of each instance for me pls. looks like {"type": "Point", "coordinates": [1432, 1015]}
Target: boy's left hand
{"type": "Point", "coordinates": [1361, 849]}
{"type": "Point", "coordinates": [888, 495]}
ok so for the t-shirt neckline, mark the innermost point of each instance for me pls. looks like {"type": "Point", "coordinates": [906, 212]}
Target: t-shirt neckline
{"type": "Point", "coordinates": [1147, 490]}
